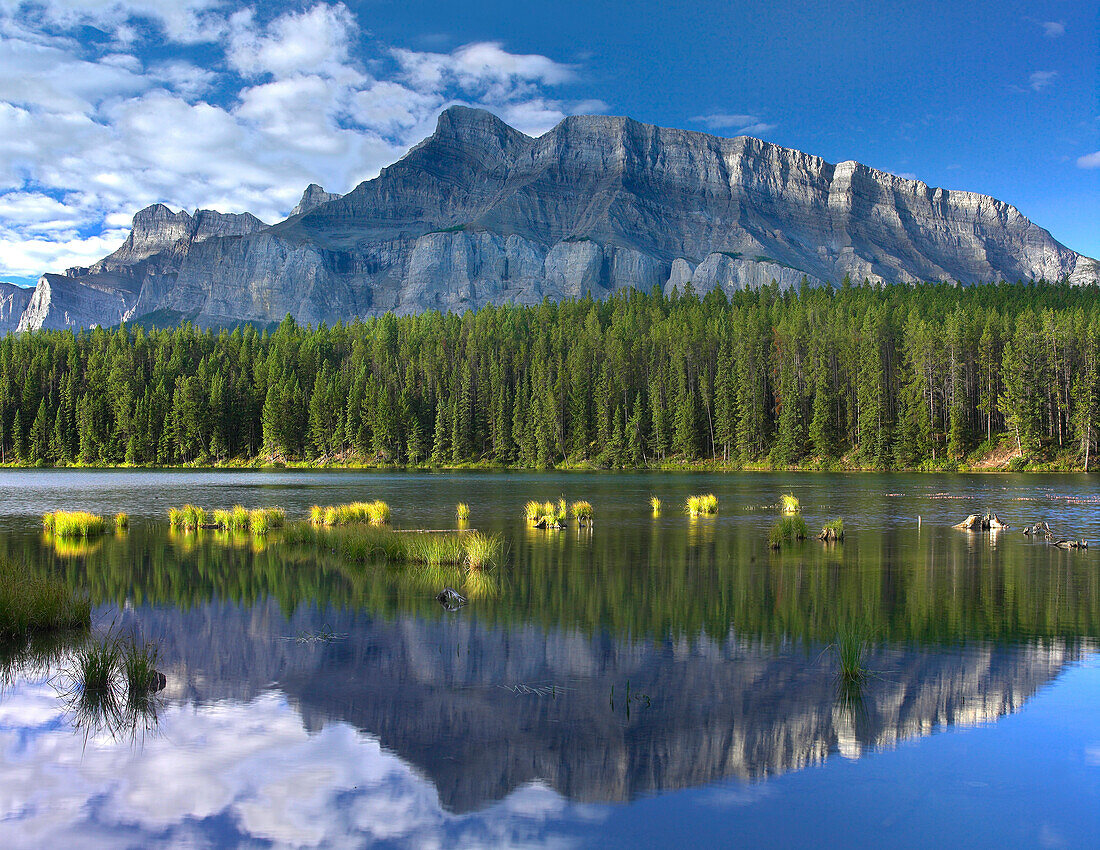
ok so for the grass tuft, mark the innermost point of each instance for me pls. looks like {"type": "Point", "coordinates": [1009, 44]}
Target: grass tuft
{"type": "Point", "coordinates": [789, 504]}
{"type": "Point", "coordinates": [655, 503]}
{"type": "Point", "coordinates": [702, 505]}
{"type": "Point", "coordinates": [122, 521]}
{"type": "Point", "coordinates": [582, 511]}
{"type": "Point", "coordinates": [787, 529]}
{"type": "Point", "coordinates": [850, 647]}
{"type": "Point", "coordinates": [74, 524]}
{"type": "Point", "coordinates": [481, 549]}
{"type": "Point", "coordinates": [462, 511]}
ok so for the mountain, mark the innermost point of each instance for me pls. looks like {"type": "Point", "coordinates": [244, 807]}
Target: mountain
{"type": "Point", "coordinates": [13, 301]}
{"type": "Point", "coordinates": [480, 213]}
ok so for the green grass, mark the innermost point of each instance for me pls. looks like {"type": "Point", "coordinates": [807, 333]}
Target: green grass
{"type": "Point", "coordinates": [462, 511]}
{"type": "Point", "coordinates": [97, 662]}
{"type": "Point", "coordinates": [139, 669]}
{"type": "Point", "coordinates": [263, 520]}
{"type": "Point", "coordinates": [376, 513]}
{"type": "Point", "coordinates": [582, 511]}
{"type": "Point", "coordinates": [187, 518]}
{"type": "Point", "coordinates": [787, 529]}
{"type": "Point", "coordinates": [480, 549]}
{"type": "Point", "coordinates": [373, 544]}
{"type": "Point", "coordinates": [33, 604]}
{"type": "Point", "coordinates": [789, 504]}
{"type": "Point", "coordinates": [833, 530]}
{"type": "Point", "coordinates": [655, 503]}
{"type": "Point", "coordinates": [74, 524]}
{"type": "Point", "coordinates": [532, 511]}
{"type": "Point", "coordinates": [122, 521]}
{"type": "Point", "coordinates": [850, 648]}
{"type": "Point", "coordinates": [704, 505]}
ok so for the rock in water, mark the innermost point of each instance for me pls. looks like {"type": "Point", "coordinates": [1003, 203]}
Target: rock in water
{"type": "Point", "coordinates": [479, 213]}
{"type": "Point", "coordinates": [450, 599]}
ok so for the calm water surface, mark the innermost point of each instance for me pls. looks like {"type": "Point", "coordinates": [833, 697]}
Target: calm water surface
{"type": "Point", "coordinates": [655, 681]}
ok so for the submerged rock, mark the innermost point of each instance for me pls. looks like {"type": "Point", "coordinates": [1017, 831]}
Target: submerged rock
{"type": "Point", "coordinates": [450, 599]}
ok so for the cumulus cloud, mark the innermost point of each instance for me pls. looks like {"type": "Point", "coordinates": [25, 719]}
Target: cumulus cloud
{"type": "Point", "coordinates": [252, 106]}
{"type": "Point", "coordinates": [248, 773]}
{"type": "Point", "coordinates": [1041, 79]}
{"type": "Point", "coordinates": [1053, 29]}
{"type": "Point", "coordinates": [1091, 160]}
{"type": "Point", "coordinates": [739, 124]}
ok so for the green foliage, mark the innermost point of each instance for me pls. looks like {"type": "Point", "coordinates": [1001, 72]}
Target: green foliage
{"type": "Point", "coordinates": [702, 505]}
{"type": "Point", "coordinates": [873, 377]}
{"type": "Point", "coordinates": [789, 504]}
{"type": "Point", "coordinates": [655, 504]}
{"type": "Point", "coordinates": [74, 524]}
{"type": "Point", "coordinates": [581, 510]}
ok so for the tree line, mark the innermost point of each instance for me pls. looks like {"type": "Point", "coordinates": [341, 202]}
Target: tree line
{"type": "Point", "coordinates": [893, 377]}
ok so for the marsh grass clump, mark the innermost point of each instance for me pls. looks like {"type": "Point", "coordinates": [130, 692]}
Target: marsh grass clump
{"type": "Point", "coordinates": [139, 670]}
{"type": "Point", "coordinates": [263, 520]}
{"type": "Point", "coordinates": [121, 521]}
{"type": "Point", "coordinates": [655, 503]}
{"type": "Point", "coordinates": [582, 512]}
{"type": "Point", "coordinates": [74, 524]}
{"type": "Point", "coordinates": [789, 504]}
{"type": "Point", "coordinates": [704, 505]}
{"type": "Point", "coordinates": [787, 529]}
{"type": "Point", "coordinates": [32, 604]}
{"type": "Point", "coordinates": [239, 518]}
{"type": "Point", "coordinates": [532, 511]}
{"type": "Point", "coordinates": [375, 513]}
{"type": "Point", "coordinates": [433, 549]}
{"type": "Point", "coordinates": [832, 530]}
{"type": "Point", "coordinates": [96, 663]}
{"type": "Point", "coordinates": [480, 549]}
{"type": "Point", "coordinates": [851, 648]}
{"type": "Point", "coordinates": [462, 512]}
{"type": "Point", "coordinates": [187, 518]}
{"type": "Point", "coordinates": [316, 515]}
{"type": "Point", "coordinates": [221, 519]}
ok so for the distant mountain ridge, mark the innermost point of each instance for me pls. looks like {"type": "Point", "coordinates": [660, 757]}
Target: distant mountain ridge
{"type": "Point", "coordinates": [480, 213]}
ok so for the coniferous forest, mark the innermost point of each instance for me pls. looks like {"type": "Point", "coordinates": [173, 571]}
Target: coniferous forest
{"type": "Point", "coordinates": [897, 377]}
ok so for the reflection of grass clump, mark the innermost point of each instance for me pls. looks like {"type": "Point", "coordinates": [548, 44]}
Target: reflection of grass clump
{"type": "Point", "coordinates": [786, 530]}
{"type": "Point", "coordinates": [74, 524]}
{"type": "Point", "coordinates": [31, 604]}
{"type": "Point", "coordinates": [702, 505]}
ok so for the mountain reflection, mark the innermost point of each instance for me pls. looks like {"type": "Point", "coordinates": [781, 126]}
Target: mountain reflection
{"type": "Point", "coordinates": [481, 710]}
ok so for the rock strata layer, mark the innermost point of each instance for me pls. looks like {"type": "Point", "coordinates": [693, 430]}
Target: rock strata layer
{"type": "Point", "coordinates": [479, 213]}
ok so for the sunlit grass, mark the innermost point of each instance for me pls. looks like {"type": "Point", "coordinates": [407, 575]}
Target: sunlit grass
{"type": "Point", "coordinates": [789, 504]}
{"type": "Point", "coordinates": [655, 504]}
{"type": "Point", "coordinates": [263, 520]}
{"type": "Point", "coordinates": [376, 513]}
{"type": "Point", "coordinates": [833, 530]}
{"type": "Point", "coordinates": [121, 521]}
{"type": "Point", "coordinates": [582, 511]}
{"type": "Point", "coordinates": [532, 511]}
{"type": "Point", "coordinates": [481, 549]}
{"type": "Point", "coordinates": [462, 511]}
{"type": "Point", "coordinates": [74, 524]}
{"type": "Point", "coordinates": [187, 518]}
{"type": "Point", "coordinates": [703, 505]}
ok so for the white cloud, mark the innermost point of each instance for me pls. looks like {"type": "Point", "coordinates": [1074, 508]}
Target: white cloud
{"type": "Point", "coordinates": [1041, 79]}
{"type": "Point", "coordinates": [740, 124]}
{"type": "Point", "coordinates": [91, 133]}
{"type": "Point", "coordinates": [1091, 160]}
{"type": "Point", "coordinates": [1053, 29]}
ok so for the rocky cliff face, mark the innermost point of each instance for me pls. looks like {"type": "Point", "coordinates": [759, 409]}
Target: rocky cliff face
{"type": "Point", "coordinates": [13, 301]}
{"type": "Point", "coordinates": [480, 213]}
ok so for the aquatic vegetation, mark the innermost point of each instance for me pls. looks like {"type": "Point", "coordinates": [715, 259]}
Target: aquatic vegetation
{"type": "Point", "coordinates": [221, 519]}
{"type": "Point", "coordinates": [462, 511]}
{"type": "Point", "coordinates": [263, 520]}
{"type": "Point", "coordinates": [532, 511]}
{"type": "Point", "coordinates": [239, 518]}
{"type": "Point", "coordinates": [702, 505]}
{"type": "Point", "coordinates": [187, 518]}
{"type": "Point", "coordinates": [96, 663]}
{"type": "Point", "coordinates": [74, 524]}
{"type": "Point", "coordinates": [33, 604]}
{"type": "Point", "coordinates": [122, 521]}
{"type": "Point", "coordinates": [481, 549]}
{"type": "Point", "coordinates": [480, 584]}
{"type": "Point", "coordinates": [655, 503]}
{"type": "Point", "coordinates": [787, 529]}
{"type": "Point", "coordinates": [789, 504]}
{"type": "Point", "coordinates": [582, 511]}
{"type": "Point", "coordinates": [850, 648]}
{"type": "Point", "coordinates": [376, 513]}
{"type": "Point", "coordinates": [317, 515]}
{"type": "Point", "coordinates": [139, 669]}
{"type": "Point", "coordinates": [832, 530]}
{"type": "Point", "coordinates": [432, 549]}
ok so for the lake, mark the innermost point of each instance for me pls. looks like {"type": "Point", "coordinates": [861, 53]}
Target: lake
{"type": "Point", "coordinates": [651, 681]}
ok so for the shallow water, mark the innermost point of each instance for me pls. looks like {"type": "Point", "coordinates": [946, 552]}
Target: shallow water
{"type": "Point", "coordinates": [652, 681]}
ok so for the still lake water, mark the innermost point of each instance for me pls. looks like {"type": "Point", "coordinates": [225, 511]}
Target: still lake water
{"type": "Point", "coordinates": [655, 681]}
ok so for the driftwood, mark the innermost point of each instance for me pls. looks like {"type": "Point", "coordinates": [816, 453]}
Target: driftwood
{"type": "Point", "coordinates": [1071, 544]}
{"type": "Point", "coordinates": [450, 599]}
{"type": "Point", "coordinates": [1040, 528]}
{"type": "Point", "coordinates": [831, 535]}
{"type": "Point", "coordinates": [547, 522]}
{"type": "Point", "coordinates": [989, 522]}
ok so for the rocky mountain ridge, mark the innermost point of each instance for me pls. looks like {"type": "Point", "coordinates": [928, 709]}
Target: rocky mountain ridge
{"type": "Point", "coordinates": [480, 213]}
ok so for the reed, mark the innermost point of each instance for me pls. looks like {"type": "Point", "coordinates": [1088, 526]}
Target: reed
{"type": "Point", "coordinates": [789, 504]}
{"type": "Point", "coordinates": [96, 662]}
{"type": "Point", "coordinates": [655, 503]}
{"type": "Point", "coordinates": [122, 521]}
{"type": "Point", "coordinates": [850, 648]}
{"type": "Point", "coordinates": [32, 604]}
{"type": "Point", "coordinates": [239, 518]}
{"type": "Point", "coordinates": [532, 511]}
{"type": "Point", "coordinates": [582, 511]}
{"type": "Point", "coordinates": [704, 505]}
{"type": "Point", "coordinates": [462, 511]}
{"type": "Point", "coordinates": [263, 520]}
{"type": "Point", "coordinates": [187, 518]}
{"type": "Point", "coordinates": [139, 670]}
{"type": "Point", "coordinates": [787, 529]}
{"type": "Point", "coordinates": [317, 515]}
{"type": "Point", "coordinates": [74, 524]}
{"type": "Point", "coordinates": [481, 549]}
{"type": "Point", "coordinates": [434, 549]}
{"type": "Point", "coordinates": [221, 519]}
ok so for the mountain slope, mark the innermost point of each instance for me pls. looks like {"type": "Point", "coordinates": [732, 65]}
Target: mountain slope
{"type": "Point", "coordinates": [480, 213]}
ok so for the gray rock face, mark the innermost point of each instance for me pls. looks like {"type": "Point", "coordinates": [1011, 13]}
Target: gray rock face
{"type": "Point", "coordinates": [312, 198]}
{"type": "Point", "coordinates": [13, 301]}
{"type": "Point", "coordinates": [59, 302]}
{"type": "Point", "coordinates": [480, 213]}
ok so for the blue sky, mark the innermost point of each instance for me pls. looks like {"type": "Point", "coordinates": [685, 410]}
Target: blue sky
{"type": "Point", "coordinates": [106, 107]}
